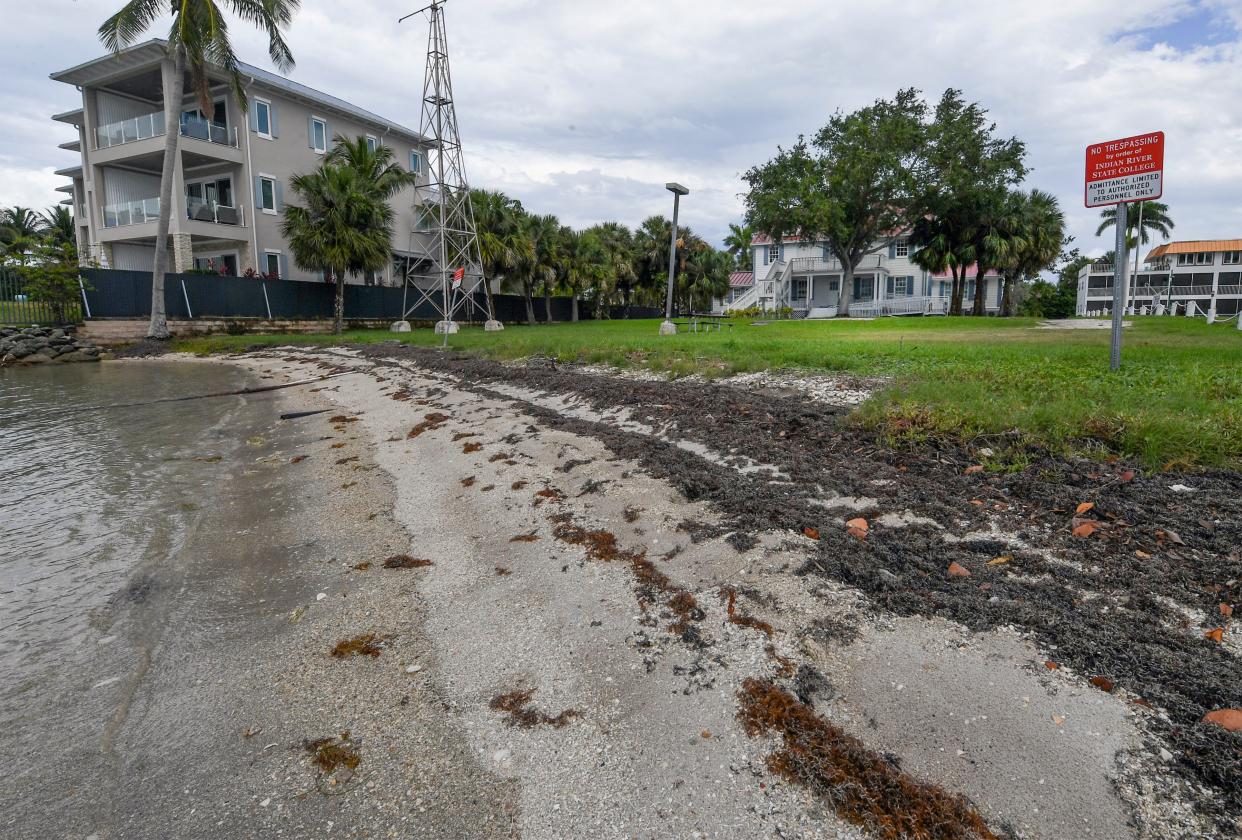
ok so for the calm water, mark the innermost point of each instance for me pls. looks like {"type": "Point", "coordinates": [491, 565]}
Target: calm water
{"type": "Point", "coordinates": [89, 496]}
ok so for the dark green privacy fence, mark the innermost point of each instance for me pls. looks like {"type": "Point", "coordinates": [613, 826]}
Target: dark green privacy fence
{"type": "Point", "coordinates": [127, 294]}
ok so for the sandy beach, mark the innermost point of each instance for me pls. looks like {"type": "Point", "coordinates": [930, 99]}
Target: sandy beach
{"type": "Point", "coordinates": [470, 600]}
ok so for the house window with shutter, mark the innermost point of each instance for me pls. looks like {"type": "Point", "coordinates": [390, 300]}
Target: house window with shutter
{"type": "Point", "coordinates": [263, 118]}
{"type": "Point", "coordinates": [271, 264]}
{"type": "Point", "coordinates": [267, 194]}
{"type": "Point", "coordinates": [774, 253]}
{"type": "Point", "coordinates": [901, 249]}
{"type": "Point", "coordinates": [318, 135]}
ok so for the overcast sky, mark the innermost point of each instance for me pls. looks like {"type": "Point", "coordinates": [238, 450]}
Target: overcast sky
{"type": "Point", "coordinates": [586, 108]}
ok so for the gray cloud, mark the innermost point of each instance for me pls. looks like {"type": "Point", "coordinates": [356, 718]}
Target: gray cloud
{"type": "Point", "coordinates": [586, 109]}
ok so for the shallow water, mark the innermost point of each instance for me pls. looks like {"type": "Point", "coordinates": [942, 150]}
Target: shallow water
{"type": "Point", "coordinates": [88, 495]}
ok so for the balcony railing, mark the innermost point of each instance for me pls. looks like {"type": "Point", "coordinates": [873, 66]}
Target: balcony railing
{"type": "Point", "coordinates": [213, 211]}
{"type": "Point", "coordinates": [136, 212]}
{"type": "Point", "coordinates": [130, 130]}
{"type": "Point", "coordinates": [212, 132]}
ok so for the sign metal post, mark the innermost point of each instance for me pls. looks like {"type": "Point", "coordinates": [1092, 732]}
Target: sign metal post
{"type": "Point", "coordinates": [1119, 172]}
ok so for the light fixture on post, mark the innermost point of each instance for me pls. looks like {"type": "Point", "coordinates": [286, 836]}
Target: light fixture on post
{"type": "Point", "coordinates": [668, 327]}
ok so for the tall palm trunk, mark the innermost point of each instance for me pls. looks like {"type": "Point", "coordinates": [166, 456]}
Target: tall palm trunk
{"type": "Point", "coordinates": [1007, 299]}
{"type": "Point", "coordinates": [981, 291]}
{"type": "Point", "coordinates": [547, 304]}
{"type": "Point", "coordinates": [528, 296]}
{"type": "Point", "coordinates": [338, 315]}
{"type": "Point", "coordinates": [959, 289]}
{"type": "Point", "coordinates": [487, 294]}
{"type": "Point", "coordinates": [574, 307]}
{"type": "Point", "coordinates": [158, 328]}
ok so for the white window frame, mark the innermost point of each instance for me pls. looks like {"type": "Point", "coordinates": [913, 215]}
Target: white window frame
{"type": "Point", "coordinates": [901, 249]}
{"type": "Point", "coordinates": [903, 285]}
{"type": "Point", "coordinates": [268, 253]}
{"type": "Point", "coordinates": [1231, 258]}
{"type": "Point", "coordinates": [1204, 258]}
{"type": "Point", "coordinates": [373, 143]}
{"type": "Point", "coordinates": [416, 154]}
{"type": "Point", "coordinates": [774, 253]}
{"type": "Point", "coordinates": [266, 103]}
{"type": "Point", "coordinates": [323, 122]}
{"type": "Point", "coordinates": [263, 208]}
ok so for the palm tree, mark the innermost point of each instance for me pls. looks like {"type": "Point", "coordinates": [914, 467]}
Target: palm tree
{"type": "Point", "coordinates": [1155, 219]}
{"type": "Point", "coordinates": [20, 231]}
{"type": "Point", "coordinates": [651, 257]}
{"type": "Point", "coordinates": [618, 245]}
{"type": "Point", "coordinates": [584, 265]}
{"type": "Point", "coordinates": [58, 225]}
{"type": "Point", "coordinates": [537, 270]}
{"type": "Point", "coordinates": [498, 222]}
{"type": "Point", "coordinates": [737, 244]}
{"type": "Point", "coordinates": [198, 40]}
{"type": "Point", "coordinates": [345, 227]}
{"type": "Point", "coordinates": [1027, 239]}
{"type": "Point", "coordinates": [375, 166]}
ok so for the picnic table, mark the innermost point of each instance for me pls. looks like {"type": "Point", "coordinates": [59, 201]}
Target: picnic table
{"type": "Point", "coordinates": [705, 322]}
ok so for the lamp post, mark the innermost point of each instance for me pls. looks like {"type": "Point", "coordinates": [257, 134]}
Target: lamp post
{"type": "Point", "coordinates": [668, 327]}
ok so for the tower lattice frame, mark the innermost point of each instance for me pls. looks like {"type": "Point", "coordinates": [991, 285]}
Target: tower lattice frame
{"type": "Point", "coordinates": [445, 214]}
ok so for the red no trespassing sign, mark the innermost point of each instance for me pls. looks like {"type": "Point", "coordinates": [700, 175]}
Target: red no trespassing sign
{"type": "Point", "coordinates": [1130, 169]}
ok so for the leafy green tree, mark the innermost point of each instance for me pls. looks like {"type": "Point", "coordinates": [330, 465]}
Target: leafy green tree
{"type": "Point", "coordinates": [737, 244]}
{"type": "Point", "coordinates": [964, 179]}
{"type": "Point", "coordinates": [52, 278]}
{"type": "Point", "coordinates": [198, 42]}
{"type": "Point", "coordinates": [853, 185]}
{"type": "Point", "coordinates": [650, 258]}
{"type": "Point", "coordinates": [344, 228]}
{"type": "Point", "coordinates": [503, 243]}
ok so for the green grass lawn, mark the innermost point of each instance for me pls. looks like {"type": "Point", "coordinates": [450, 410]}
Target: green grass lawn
{"type": "Point", "coordinates": [1177, 400]}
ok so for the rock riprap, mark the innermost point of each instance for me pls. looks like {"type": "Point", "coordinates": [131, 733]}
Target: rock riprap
{"type": "Point", "coordinates": [38, 345]}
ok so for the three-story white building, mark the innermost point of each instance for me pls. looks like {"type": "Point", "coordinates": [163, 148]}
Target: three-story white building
{"type": "Point", "coordinates": [1201, 276]}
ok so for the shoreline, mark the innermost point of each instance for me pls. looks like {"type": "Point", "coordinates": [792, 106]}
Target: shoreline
{"type": "Point", "coordinates": [597, 601]}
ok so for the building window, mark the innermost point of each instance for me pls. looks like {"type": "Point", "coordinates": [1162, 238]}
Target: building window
{"type": "Point", "coordinates": [267, 194]}
{"type": "Point", "coordinates": [901, 249]}
{"type": "Point", "coordinates": [319, 135]}
{"type": "Point", "coordinates": [1231, 257]}
{"type": "Point", "coordinates": [774, 253]}
{"type": "Point", "coordinates": [903, 285]}
{"type": "Point", "coordinates": [416, 163]}
{"type": "Point", "coordinates": [799, 288]}
{"type": "Point", "coordinates": [372, 143]}
{"type": "Point", "coordinates": [263, 118]}
{"type": "Point", "coordinates": [271, 264]}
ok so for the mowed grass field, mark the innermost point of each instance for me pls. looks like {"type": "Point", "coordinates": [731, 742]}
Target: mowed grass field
{"type": "Point", "coordinates": [1005, 383]}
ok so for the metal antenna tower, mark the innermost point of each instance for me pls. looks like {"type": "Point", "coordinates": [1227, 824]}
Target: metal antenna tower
{"type": "Point", "coordinates": [454, 265]}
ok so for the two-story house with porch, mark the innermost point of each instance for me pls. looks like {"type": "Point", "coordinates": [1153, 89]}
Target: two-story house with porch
{"type": "Point", "coordinates": [232, 171]}
{"type": "Point", "coordinates": [804, 276]}
{"type": "Point", "coordinates": [1201, 277]}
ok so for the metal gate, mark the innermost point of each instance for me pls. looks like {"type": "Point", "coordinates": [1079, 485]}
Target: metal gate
{"type": "Point", "coordinates": [18, 310]}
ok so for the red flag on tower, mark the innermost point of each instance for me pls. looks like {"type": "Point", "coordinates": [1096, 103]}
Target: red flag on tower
{"type": "Point", "coordinates": [457, 277]}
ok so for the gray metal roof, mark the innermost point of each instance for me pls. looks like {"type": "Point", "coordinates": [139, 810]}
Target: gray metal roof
{"type": "Point", "coordinates": [90, 71]}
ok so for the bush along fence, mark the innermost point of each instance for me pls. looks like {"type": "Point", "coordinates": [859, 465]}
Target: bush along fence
{"type": "Point", "coordinates": [112, 293]}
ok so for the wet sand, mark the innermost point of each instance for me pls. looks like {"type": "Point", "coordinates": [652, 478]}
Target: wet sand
{"type": "Point", "coordinates": [608, 574]}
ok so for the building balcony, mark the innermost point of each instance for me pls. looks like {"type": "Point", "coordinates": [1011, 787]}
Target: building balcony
{"type": "Point", "coordinates": [138, 211]}
{"type": "Point", "coordinates": [129, 131]}
{"type": "Point", "coordinates": [214, 212]}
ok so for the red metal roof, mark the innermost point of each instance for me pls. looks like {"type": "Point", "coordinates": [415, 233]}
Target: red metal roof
{"type": "Point", "coordinates": [971, 271]}
{"type": "Point", "coordinates": [741, 278]}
